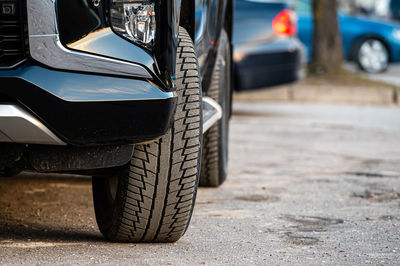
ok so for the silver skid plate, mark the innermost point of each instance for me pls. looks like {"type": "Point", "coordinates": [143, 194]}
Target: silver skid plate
{"type": "Point", "coordinates": [212, 112]}
{"type": "Point", "coordinates": [16, 125]}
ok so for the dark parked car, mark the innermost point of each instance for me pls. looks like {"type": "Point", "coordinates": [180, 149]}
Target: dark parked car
{"type": "Point", "coordinates": [266, 50]}
{"type": "Point", "coordinates": [113, 89]}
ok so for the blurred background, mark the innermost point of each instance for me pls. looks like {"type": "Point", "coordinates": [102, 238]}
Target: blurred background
{"type": "Point", "coordinates": [282, 41]}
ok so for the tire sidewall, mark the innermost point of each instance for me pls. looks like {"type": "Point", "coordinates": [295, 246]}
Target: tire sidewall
{"type": "Point", "coordinates": [224, 55]}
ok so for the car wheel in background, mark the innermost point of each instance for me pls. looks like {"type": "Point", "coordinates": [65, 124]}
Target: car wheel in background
{"type": "Point", "coordinates": [151, 199]}
{"type": "Point", "coordinates": [372, 56]}
{"type": "Point", "coordinates": [215, 140]}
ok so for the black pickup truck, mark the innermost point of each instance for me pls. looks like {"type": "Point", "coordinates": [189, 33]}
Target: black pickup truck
{"type": "Point", "coordinates": [135, 93]}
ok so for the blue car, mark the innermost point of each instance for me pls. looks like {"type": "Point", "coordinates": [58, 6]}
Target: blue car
{"type": "Point", "coordinates": [371, 43]}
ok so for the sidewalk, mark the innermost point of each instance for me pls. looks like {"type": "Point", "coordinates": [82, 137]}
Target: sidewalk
{"type": "Point", "coordinates": [351, 90]}
{"type": "Point", "coordinates": [391, 75]}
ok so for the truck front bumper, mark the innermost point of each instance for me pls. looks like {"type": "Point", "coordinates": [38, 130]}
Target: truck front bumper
{"type": "Point", "coordinates": [86, 109]}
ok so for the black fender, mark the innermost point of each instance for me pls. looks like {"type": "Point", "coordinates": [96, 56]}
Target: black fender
{"type": "Point", "coordinates": [187, 16]}
{"type": "Point", "coordinates": [168, 19]}
{"type": "Point", "coordinates": [175, 13]}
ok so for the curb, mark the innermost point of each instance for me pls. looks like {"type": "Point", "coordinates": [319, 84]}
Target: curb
{"type": "Point", "coordinates": [324, 94]}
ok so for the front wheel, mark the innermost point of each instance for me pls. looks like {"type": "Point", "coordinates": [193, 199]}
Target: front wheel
{"type": "Point", "coordinates": [152, 198]}
{"type": "Point", "coordinates": [372, 56]}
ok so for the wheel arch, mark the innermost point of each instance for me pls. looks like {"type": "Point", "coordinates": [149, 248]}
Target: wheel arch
{"type": "Point", "coordinates": [228, 18]}
{"type": "Point", "coordinates": [228, 26]}
{"type": "Point", "coordinates": [360, 39]}
{"type": "Point", "coordinates": [187, 16]}
{"type": "Point", "coordinates": [224, 20]}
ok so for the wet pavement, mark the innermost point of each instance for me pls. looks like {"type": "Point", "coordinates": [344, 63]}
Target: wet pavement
{"type": "Point", "coordinates": [308, 184]}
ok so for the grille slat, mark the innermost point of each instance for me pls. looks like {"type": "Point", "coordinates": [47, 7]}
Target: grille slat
{"type": "Point", "coordinates": [12, 47]}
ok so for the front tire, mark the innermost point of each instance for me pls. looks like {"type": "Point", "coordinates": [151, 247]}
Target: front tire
{"type": "Point", "coordinates": [152, 198]}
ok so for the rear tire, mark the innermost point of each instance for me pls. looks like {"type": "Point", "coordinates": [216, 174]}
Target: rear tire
{"type": "Point", "coordinates": [152, 198]}
{"type": "Point", "coordinates": [215, 140]}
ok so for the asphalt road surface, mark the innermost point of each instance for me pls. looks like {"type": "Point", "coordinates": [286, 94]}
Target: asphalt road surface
{"type": "Point", "coordinates": [308, 184]}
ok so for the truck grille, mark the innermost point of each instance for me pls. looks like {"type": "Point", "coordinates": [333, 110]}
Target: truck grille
{"type": "Point", "coordinates": [12, 47]}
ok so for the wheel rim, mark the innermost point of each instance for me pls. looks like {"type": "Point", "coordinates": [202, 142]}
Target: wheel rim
{"type": "Point", "coordinates": [373, 56]}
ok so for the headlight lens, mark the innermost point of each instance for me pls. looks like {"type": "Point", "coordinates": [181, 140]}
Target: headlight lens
{"type": "Point", "coordinates": [135, 20]}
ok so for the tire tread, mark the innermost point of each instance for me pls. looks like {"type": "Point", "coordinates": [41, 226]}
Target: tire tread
{"type": "Point", "coordinates": [158, 197]}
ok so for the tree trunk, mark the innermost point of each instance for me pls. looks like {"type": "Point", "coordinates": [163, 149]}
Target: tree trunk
{"type": "Point", "coordinates": [327, 54]}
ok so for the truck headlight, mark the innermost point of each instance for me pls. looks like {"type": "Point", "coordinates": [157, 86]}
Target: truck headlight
{"type": "Point", "coordinates": [134, 20]}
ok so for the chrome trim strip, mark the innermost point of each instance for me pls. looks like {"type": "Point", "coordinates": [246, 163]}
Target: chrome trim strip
{"type": "Point", "coordinates": [45, 46]}
{"type": "Point", "coordinates": [211, 113]}
{"type": "Point", "coordinates": [17, 125]}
